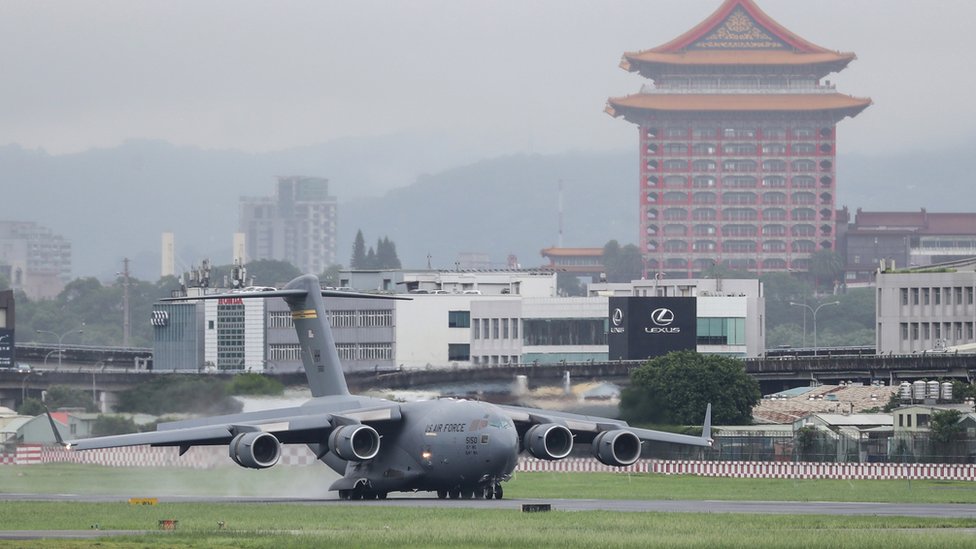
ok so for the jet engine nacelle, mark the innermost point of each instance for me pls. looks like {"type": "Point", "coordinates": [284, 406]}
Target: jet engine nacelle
{"type": "Point", "coordinates": [256, 450]}
{"type": "Point", "coordinates": [548, 441]}
{"type": "Point", "coordinates": [355, 442]}
{"type": "Point", "coordinates": [618, 448]}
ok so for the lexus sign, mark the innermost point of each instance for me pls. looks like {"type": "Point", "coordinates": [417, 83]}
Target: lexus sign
{"type": "Point", "coordinates": [645, 327]}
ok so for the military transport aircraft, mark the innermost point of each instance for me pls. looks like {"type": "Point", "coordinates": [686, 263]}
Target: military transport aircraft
{"type": "Point", "coordinates": [458, 448]}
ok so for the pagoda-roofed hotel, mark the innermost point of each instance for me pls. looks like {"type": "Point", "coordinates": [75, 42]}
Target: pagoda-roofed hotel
{"type": "Point", "coordinates": [737, 145]}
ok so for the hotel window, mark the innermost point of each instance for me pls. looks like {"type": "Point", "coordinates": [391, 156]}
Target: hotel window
{"type": "Point", "coordinates": [515, 330]}
{"type": "Point", "coordinates": [914, 296]}
{"type": "Point", "coordinates": [937, 296]}
{"type": "Point", "coordinates": [925, 296]}
{"type": "Point", "coordinates": [494, 328]}
{"type": "Point", "coordinates": [904, 293]}
{"type": "Point", "coordinates": [904, 330]}
{"type": "Point", "coordinates": [504, 328]}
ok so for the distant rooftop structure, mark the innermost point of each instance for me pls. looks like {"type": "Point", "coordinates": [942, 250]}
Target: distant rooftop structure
{"type": "Point", "coordinates": [34, 259]}
{"type": "Point", "coordinates": [909, 239]}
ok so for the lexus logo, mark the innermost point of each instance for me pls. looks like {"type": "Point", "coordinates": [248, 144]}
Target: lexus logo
{"type": "Point", "coordinates": [617, 318]}
{"type": "Point", "coordinates": [662, 316]}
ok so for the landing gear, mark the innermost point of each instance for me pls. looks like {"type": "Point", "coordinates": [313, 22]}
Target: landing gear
{"type": "Point", "coordinates": [361, 491]}
{"type": "Point", "coordinates": [497, 490]}
{"type": "Point", "coordinates": [455, 492]}
{"type": "Point", "coordinates": [441, 494]}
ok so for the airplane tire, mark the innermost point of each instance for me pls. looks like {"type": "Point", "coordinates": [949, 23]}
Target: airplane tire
{"type": "Point", "coordinates": [441, 494]}
{"type": "Point", "coordinates": [498, 491]}
{"type": "Point", "coordinates": [466, 493]}
{"type": "Point", "coordinates": [381, 495]}
{"type": "Point", "coordinates": [455, 493]}
{"type": "Point", "coordinates": [344, 494]}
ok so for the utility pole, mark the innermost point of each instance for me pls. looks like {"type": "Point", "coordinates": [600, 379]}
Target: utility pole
{"type": "Point", "coordinates": [125, 304]}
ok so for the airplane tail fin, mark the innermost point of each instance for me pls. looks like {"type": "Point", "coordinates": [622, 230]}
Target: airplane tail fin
{"type": "Point", "coordinates": [707, 426]}
{"type": "Point", "coordinates": [319, 354]}
{"type": "Point", "coordinates": [304, 297]}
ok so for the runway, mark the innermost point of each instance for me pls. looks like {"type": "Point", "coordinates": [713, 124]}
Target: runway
{"type": "Point", "coordinates": [616, 505]}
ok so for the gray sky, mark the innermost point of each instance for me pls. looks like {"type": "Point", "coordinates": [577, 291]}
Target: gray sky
{"type": "Point", "coordinates": [518, 75]}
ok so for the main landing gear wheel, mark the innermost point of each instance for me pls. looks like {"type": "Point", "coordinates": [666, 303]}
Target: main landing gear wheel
{"type": "Point", "coordinates": [497, 489]}
{"type": "Point", "coordinates": [455, 493]}
{"type": "Point", "coordinates": [441, 494]}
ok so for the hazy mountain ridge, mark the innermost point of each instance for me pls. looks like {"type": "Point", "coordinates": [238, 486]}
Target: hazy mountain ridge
{"type": "Point", "coordinates": [115, 202]}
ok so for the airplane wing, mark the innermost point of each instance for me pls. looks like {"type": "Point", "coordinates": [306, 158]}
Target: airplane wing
{"type": "Point", "coordinates": [586, 428]}
{"type": "Point", "coordinates": [295, 425]}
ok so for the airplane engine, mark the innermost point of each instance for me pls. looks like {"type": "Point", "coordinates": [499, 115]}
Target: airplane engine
{"type": "Point", "coordinates": [617, 448]}
{"type": "Point", "coordinates": [548, 441]}
{"type": "Point", "coordinates": [355, 442]}
{"type": "Point", "coordinates": [255, 450]}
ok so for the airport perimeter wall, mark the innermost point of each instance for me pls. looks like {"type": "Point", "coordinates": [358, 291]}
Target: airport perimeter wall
{"type": "Point", "coordinates": [206, 457]}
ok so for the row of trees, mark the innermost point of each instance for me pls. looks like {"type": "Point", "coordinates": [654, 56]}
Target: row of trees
{"type": "Point", "coordinates": [383, 257]}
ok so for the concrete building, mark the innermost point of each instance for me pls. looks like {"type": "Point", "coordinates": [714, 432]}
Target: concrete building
{"type": "Point", "coordinates": [297, 225]}
{"type": "Point", "coordinates": [908, 239]}
{"type": "Point", "coordinates": [731, 312]}
{"type": "Point", "coordinates": [452, 319]}
{"type": "Point", "coordinates": [34, 259]}
{"type": "Point", "coordinates": [926, 309]}
{"type": "Point", "coordinates": [738, 145]}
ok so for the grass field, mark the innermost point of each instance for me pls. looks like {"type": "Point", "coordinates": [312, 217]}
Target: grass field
{"type": "Point", "coordinates": [336, 525]}
{"type": "Point", "coordinates": [313, 482]}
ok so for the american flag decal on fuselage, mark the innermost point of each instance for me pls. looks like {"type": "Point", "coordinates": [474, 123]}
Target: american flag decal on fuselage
{"type": "Point", "coordinates": [304, 315]}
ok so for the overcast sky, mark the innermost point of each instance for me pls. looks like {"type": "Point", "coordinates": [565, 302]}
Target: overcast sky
{"type": "Point", "coordinates": [519, 75]}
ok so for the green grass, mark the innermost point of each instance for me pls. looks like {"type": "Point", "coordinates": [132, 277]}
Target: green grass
{"type": "Point", "coordinates": [336, 525]}
{"type": "Point", "coordinates": [313, 482]}
{"type": "Point", "coordinates": [277, 526]}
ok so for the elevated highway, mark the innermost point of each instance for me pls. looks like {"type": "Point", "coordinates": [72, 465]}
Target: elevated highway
{"type": "Point", "coordinates": [104, 378]}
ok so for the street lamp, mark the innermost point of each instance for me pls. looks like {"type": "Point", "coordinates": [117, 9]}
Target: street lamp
{"type": "Point", "coordinates": [61, 339]}
{"type": "Point", "coordinates": [23, 385]}
{"type": "Point", "coordinates": [814, 311]}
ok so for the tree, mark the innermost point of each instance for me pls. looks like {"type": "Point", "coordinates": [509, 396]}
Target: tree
{"type": "Point", "coordinates": [622, 264]}
{"type": "Point", "coordinates": [358, 260]}
{"type": "Point", "coordinates": [568, 284]}
{"type": "Point", "coordinates": [945, 426]}
{"type": "Point", "coordinates": [826, 269]}
{"type": "Point", "coordinates": [62, 396]}
{"type": "Point", "coordinates": [330, 277]}
{"type": "Point", "coordinates": [945, 431]}
{"type": "Point", "coordinates": [675, 388]}
{"type": "Point", "coordinates": [31, 407]}
{"type": "Point", "coordinates": [183, 394]}
{"type": "Point", "coordinates": [386, 254]}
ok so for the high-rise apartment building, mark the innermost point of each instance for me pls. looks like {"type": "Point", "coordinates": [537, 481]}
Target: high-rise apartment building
{"type": "Point", "coordinates": [34, 259]}
{"type": "Point", "coordinates": [297, 225]}
{"type": "Point", "coordinates": [737, 145]}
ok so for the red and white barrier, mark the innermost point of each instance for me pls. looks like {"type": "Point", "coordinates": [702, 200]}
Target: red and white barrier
{"type": "Point", "coordinates": [206, 457]}
{"type": "Point", "coordinates": [762, 469]}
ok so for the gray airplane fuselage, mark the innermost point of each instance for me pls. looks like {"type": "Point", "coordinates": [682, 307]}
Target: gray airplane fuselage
{"type": "Point", "coordinates": [439, 445]}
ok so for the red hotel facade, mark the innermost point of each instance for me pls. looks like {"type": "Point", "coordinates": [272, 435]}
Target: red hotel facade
{"type": "Point", "coordinates": [737, 145]}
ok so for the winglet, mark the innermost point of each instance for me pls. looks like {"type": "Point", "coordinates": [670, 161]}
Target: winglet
{"type": "Point", "coordinates": [707, 427]}
{"type": "Point", "coordinates": [54, 427]}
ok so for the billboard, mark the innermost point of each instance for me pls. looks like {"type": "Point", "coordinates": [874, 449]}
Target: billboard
{"type": "Point", "coordinates": [646, 327]}
{"type": "Point", "coordinates": [6, 348]}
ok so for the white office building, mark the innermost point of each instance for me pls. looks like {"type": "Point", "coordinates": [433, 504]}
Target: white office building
{"type": "Point", "coordinates": [926, 310]}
